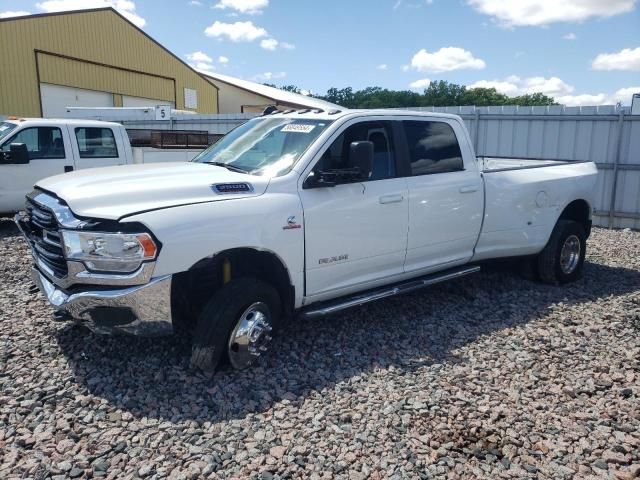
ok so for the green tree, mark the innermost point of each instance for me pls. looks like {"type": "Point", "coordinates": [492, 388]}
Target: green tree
{"type": "Point", "coordinates": [438, 94]}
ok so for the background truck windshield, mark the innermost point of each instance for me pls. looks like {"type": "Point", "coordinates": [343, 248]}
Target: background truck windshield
{"type": "Point", "coordinates": [6, 129]}
{"type": "Point", "coordinates": [264, 146]}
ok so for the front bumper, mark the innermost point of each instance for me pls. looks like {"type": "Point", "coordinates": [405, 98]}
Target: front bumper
{"type": "Point", "coordinates": [143, 310]}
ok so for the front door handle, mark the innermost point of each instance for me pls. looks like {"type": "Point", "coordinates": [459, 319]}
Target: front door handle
{"type": "Point", "coordinates": [469, 189]}
{"type": "Point", "coordinates": [391, 199]}
{"type": "Point", "coordinates": [68, 168]}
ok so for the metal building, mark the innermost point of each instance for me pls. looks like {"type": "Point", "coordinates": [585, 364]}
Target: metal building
{"type": "Point", "coordinates": [93, 58]}
{"type": "Point", "coordinates": [243, 96]}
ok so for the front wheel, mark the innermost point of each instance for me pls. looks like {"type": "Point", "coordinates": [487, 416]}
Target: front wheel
{"type": "Point", "coordinates": [562, 259]}
{"type": "Point", "coordinates": [236, 325]}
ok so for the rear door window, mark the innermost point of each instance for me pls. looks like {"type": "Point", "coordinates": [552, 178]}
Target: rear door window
{"type": "Point", "coordinates": [95, 142]}
{"type": "Point", "coordinates": [42, 142]}
{"type": "Point", "coordinates": [433, 147]}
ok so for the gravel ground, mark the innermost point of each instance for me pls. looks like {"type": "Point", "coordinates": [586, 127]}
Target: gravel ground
{"type": "Point", "coordinates": [488, 377]}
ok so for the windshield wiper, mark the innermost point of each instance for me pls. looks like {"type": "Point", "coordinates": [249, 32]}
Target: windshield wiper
{"type": "Point", "coordinates": [227, 166]}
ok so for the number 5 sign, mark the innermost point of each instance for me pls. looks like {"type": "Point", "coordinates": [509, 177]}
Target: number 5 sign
{"type": "Point", "coordinates": [163, 112]}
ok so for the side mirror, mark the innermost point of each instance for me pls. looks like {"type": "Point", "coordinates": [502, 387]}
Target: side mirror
{"type": "Point", "coordinates": [361, 157]}
{"type": "Point", "coordinates": [361, 165]}
{"type": "Point", "coordinates": [17, 154]}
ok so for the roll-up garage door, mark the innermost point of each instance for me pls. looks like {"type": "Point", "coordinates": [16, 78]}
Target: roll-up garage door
{"type": "Point", "coordinates": [56, 98]}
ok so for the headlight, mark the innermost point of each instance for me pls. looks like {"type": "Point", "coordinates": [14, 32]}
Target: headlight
{"type": "Point", "coordinates": [109, 252]}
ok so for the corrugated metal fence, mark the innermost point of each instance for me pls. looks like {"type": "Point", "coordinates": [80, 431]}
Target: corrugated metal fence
{"type": "Point", "coordinates": [212, 123]}
{"type": "Point", "coordinates": [609, 136]}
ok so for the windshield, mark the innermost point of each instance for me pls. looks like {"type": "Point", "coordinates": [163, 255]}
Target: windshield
{"type": "Point", "coordinates": [6, 128]}
{"type": "Point", "coordinates": [264, 146]}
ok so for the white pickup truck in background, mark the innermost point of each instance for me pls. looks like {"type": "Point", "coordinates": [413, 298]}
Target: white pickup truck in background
{"type": "Point", "coordinates": [306, 212]}
{"type": "Point", "coordinates": [36, 148]}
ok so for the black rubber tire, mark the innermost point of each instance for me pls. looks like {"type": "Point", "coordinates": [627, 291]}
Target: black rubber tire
{"type": "Point", "coordinates": [548, 261]}
{"type": "Point", "coordinates": [220, 314]}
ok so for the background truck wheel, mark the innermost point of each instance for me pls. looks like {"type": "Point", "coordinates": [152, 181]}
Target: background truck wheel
{"type": "Point", "coordinates": [236, 325]}
{"type": "Point", "coordinates": [562, 259]}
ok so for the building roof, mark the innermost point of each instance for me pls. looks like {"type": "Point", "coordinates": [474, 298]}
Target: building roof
{"type": "Point", "coordinates": [276, 94]}
{"type": "Point", "coordinates": [103, 9]}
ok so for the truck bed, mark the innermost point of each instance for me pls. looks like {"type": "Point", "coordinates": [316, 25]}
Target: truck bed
{"type": "Point", "coordinates": [497, 164]}
{"type": "Point", "coordinates": [523, 199]}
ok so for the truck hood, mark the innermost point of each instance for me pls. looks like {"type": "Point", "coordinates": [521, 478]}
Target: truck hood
{"type": "Point", "coordinates": [115, 192]}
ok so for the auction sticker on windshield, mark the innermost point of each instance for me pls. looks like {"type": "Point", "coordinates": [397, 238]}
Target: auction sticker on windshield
{"type": "Point", "coordinates": [298, 128]}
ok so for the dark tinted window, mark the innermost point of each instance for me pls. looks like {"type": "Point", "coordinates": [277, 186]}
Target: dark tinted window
{"type": "Point", "coordinates": [41, 142]}
{"type": "Point", "coordinates": [433, 148]}
{"type": "Point", "coordinates": [96, 143]}
{"type": "Point", "coordinates": [379, 133]}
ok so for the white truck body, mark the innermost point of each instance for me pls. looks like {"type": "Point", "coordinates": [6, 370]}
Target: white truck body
{"type": "Point", "coordinates": [332, 241]}
{"type": "Point", "coordinates": [56, 146]}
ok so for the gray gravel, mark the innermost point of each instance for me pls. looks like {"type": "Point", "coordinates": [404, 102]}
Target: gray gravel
{"type": "Point", "coordinates": [488, 377]}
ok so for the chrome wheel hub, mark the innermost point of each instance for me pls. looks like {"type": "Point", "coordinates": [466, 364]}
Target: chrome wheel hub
{"type": "Point", "coordinates": [250, 336]}
{"type": "Point", "coordinates": [570, 254]}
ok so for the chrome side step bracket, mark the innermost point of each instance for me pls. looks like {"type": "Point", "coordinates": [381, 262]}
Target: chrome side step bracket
{"type": "Point", "coordinates": [333, 306]}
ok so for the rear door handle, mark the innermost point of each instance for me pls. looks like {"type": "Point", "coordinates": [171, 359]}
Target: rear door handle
{"type": "Point", "coordinates": [469, 189]}
{"type": "Point", "coordinates": [391, 199]}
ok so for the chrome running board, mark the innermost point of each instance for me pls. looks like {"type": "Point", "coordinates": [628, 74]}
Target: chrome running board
{"type": "Point", "coordinates": [333, 306]}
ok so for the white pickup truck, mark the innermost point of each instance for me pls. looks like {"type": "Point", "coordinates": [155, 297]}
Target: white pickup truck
{"type": "Point", "coordinates": [36, 148]}
{"type": "Point", "coordinates": [301, 212]}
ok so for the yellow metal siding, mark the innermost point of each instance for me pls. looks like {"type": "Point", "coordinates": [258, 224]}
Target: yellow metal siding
{"type": "Point", "coordinates": [102, 37]}
{"type": "Point", "coordinates": [64, 71]}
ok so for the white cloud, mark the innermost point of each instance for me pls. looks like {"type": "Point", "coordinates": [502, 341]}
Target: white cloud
{"type": "Point", "coordinates": [17, 13]}
{"type": "Point", "coordinates": [514, 85]}
{"type": "Point", "coordinates": [420, 84]}
{"type": "Point", "coordinates": [268, 76]}
{"type": "Point", "coordinates": [203, 62]}
{"type": "Point", "coordinates": [125, 7]}
{"type": "Point", "coordinates": [272, 44]}
{"type": "Point", "coordinates": [623, 95]}
{"type": "Point", "coordinates": [446, 59]}
{"type": "Point", "coordinates": [223, 59]}
{"type": "Point", "coordinates": [583, 100]}
{"type": "Point", "coordinates": [203, 67]}
{"type": "Point", "coordinates": [269, 44]}
{"type": "Point", "coordinates": [199, 57]}
{"type": "Point", "coordinates": [250, 7]}
{"type": "Point", "coordinates": [543, 12]}
{"type": "Point", "coordinates": [569, 36]}
{"type": "Point", "coordinates": [236, 32]}
{"type": "Point", "coordinates": [383, 66]}
{"type": "Point", "coordinates": [625, 59]}
{"type": "Point", "coordinates": [556, 88]}
{"type": "Point", "coordinates": [195, 3]}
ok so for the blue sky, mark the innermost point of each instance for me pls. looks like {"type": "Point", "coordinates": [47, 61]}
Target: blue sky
{"type": "Point", "coordinates": [579, 51]}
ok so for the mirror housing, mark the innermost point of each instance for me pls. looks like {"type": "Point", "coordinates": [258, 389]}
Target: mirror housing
{"type": "Point", "coordinates": [361, 161]}
{"type": "Point", "coordinates": [361, 157]}
{"type": "Point", "coordinates": [17, 155]}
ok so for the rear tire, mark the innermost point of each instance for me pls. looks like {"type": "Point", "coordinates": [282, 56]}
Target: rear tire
{"type": "Point", "coordinates": [562, 259]}
{"type": "Point", "coordinates": [247, 309]}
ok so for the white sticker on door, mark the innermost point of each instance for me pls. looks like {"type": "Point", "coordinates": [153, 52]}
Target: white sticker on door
{"type": "Point", "coordinates": [298, 128]}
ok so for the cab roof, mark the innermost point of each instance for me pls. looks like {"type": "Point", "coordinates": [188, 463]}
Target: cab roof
{"type": "Point", "coordinates": [334, 114]}
{"type": "Point", "coordinates": [59, 121]}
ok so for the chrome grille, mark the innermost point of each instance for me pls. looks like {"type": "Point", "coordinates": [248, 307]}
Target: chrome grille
{"type": "Point", "coordinates": [41, 229]}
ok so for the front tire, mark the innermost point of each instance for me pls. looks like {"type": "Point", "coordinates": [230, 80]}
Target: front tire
{"type": "Point", "coordinates": [236, 325]}
{"type": "Point", "coordinates": [562, 259]}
